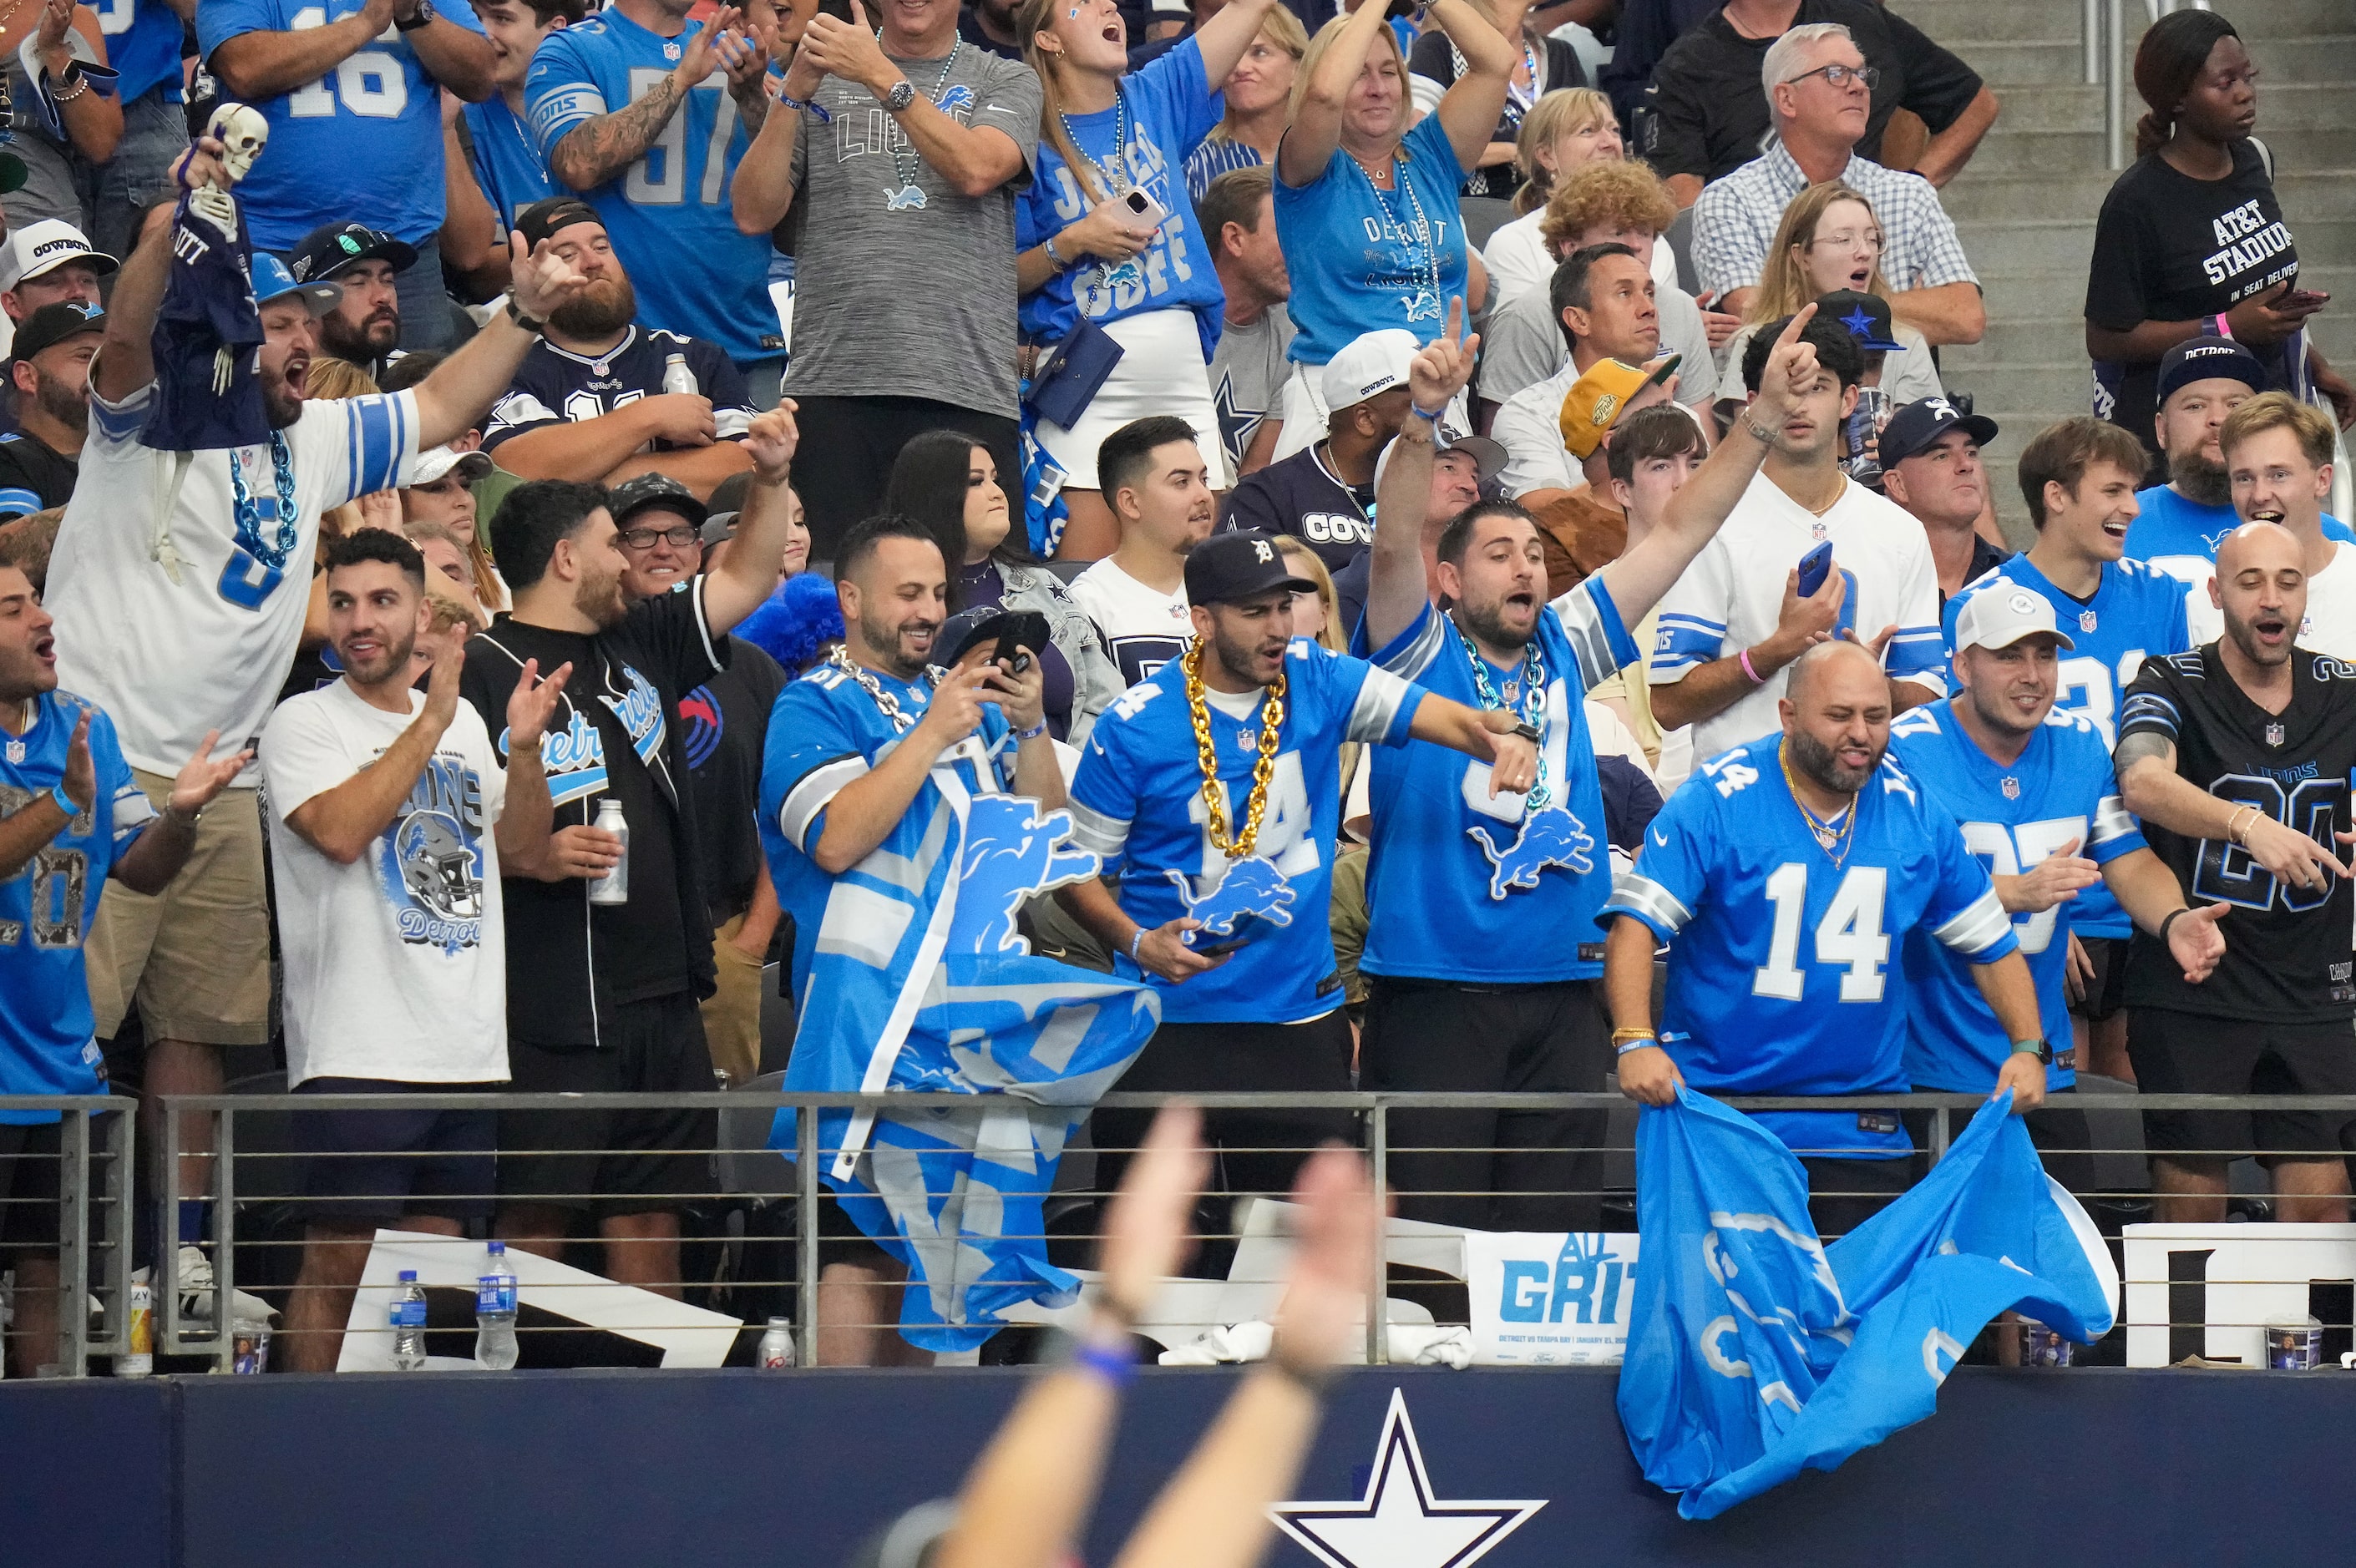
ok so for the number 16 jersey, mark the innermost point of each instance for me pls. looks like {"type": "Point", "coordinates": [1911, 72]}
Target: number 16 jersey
{"type": "Point", "coordinates": [2286, 949]}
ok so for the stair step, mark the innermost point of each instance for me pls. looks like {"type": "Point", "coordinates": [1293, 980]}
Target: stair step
{"type": "Point", "coordinates": [1983, 196]}
{"type": "Point", "coordinates": [2033, 62]}
{"type": "Point", "coordinates": [2011, 150]}
{"type": "Point", "coordinates": [2318, 58]}
{"type": "Point", "coordinates": [1950, 21]}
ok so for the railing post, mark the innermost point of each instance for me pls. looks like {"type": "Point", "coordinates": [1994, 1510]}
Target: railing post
{"type": "Point", "coordinates": [1378, 1145]}
{"type": "Point", "coordinates": [224, 1241]}
{"type": "Point", "coordinates": [121, 1182]}
{"type": "Point", "coordinates": [73, 1243]}
{"type": "Point", "coordinates": [2092, 25]}
{"type": "Point", "coordinates": [1939, 1135]}
{"type": "Point", "coordinates": [2115, 84]}
{"type": "Point", "coordinates": [165, 1312]}
{"type": "Point", "coordinates": [806, 1221]}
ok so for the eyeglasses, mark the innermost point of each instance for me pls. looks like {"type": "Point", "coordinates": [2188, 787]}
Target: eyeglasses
{"type": "Point", "coordinates": [1838, 75]}
{"type": "Point", "coordinates": [1846, 239]}
{"type": "Point", "coordinates": [678, 538]}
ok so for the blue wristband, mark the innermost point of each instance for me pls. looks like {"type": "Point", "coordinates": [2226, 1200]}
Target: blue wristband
{"type": "Point", "coordinates": [64, 801]}
{"type": "Point", "coordinates": [1115, 1364]}
{"type": "Point", "coordinates": [1034, 732]}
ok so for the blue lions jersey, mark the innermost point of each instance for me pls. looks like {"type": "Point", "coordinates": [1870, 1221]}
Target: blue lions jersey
{"type": "Point", "coordinates": [143, 45]}
{"type": "Point", "coordinates": [2060, 791]}
{"type": "Point", "coordinates": [1464, 887]}
{"type": "Point", "coordinates": [507, 163]}
{"type": "Point", "coordinates": [2137, 612]}
{"type": "Point", "coordinates": [363, 144]}
{"type": "Point", "coordinates": [1138, 802]}
{"type": "Point", "coordinates": [825, 733]}
{"type": "Point", "coordinates": [667, 215]}
{"type": "Point", "coordinates": [46, 1029]}
{"type": "Point", "coordinates": [2179, 536]}
{"type": "Point", "coordinates": [1785, 976]}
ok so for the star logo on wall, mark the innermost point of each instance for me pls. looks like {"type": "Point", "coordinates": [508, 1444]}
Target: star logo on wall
{"type": "Point", "coordinates": [1398, 1524]}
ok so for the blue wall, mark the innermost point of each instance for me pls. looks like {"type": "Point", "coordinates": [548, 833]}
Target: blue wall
{"type": "Point", "coordinates": [587, 1469]}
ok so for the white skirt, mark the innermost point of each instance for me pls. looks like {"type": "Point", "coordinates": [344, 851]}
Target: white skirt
{"type": "Point", "coordinates": [1161, 372]}
{"type": "Point", "coordinates": [1305, 412]}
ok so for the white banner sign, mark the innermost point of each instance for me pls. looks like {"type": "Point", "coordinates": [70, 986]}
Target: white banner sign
{"type": "Point", "coordinates": [1558, 1300]}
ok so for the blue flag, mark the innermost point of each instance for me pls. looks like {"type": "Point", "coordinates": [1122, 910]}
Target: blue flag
{"type": "Point", "coordinates": [1757, 1351]}
{"type": "Point", "coordinates": [920, 981]}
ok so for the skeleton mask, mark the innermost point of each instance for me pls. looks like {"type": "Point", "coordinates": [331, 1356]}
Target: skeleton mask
{"type": "Point", "coordinates": [242, 133]}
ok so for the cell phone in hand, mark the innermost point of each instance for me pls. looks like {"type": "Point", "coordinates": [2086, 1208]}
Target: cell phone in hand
{"type": "Point", "coordinates": [1144, 212]}
{"type": "Point", "coordinates": [1814, 567]}
{"type": "Point", "coordinates": [1243, 932]}
{"type": "Point", "coordinates": [2305, 299]}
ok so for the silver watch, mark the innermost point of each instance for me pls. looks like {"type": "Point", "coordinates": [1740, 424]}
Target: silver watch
{"type": "Point", "coordinates": [903, 93]}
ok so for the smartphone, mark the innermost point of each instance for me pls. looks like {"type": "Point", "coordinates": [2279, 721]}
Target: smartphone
{"type": "Point", "coordinates": [2303, 299]}
{"type": "Point", "coordinates": [1010, 651]}
{"type": "Point", "coordinates": [1814, 567]}
{"type": "Point", "coordinates": [1147, 212]}
{"type": "Point", "coordinates": [838, 9]}
{"type": "Point", "coordinates": [1244, 931]}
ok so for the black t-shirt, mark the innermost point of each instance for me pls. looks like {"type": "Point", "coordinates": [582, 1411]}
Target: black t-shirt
{"type": "Point", "coordinates": [2287, 951]}
{"type": "Point", "coordinates": [726, 721]}
{"type": "Point", "coordinates": [1300, 496]}
{"type": "Point", "coordinates": [1710, 108]}
{"type": "Point", "coordinates": [1433, 58]}
{"type": "Point", "coordinates": [2171, 248]}
{"type": "Point", "coordinates": [33, 478]}
{"type": "Point", "coordinates": [616, 734]}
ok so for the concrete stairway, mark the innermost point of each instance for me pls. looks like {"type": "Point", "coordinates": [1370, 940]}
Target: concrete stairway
{"type": "Point", "coordinates": [2026, 205]}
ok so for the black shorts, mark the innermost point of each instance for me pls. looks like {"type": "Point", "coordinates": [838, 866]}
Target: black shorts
{"type": "Point", "coordinates": [31, 1184]}
{"type": "Point", "coordinates": [1845, 1193]}
{"type": "Point", "coordinates": [2106, 992]}
{"type": "Point", "coordinates": [2184, 1053]}
{"type": "Point", "coordinates": [613, 1162]}
{"type": "Point", "coordinates": [380, 1165]}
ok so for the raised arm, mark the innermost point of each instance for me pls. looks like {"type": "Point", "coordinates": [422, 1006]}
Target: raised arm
{"type": "Point", "coordinates": [269, 64]}
{"type": "Point", "coordinates": [1225, 38]}
{"type": "Point", "coordinates": [1469, 108]}
{"type": "Point", "coordinates": [1396, 590]}
{"type": "Point", "coordinates": [528, 816]}
{"type": "Point", "coordinates": [453, 399]}
{"type": "Point", "coordinates": [1316, 128]}
{"type": "Point", "coordinates": [974, 159]}
{"type": "Point", "coordinates": [761, 192]}
{"type": "Point", "coordinates": [92, 119]}
{"type": "Point", "coordinates": [473, 249]}
{"type": "Point", "coordinates": [597, 151]}
{"type": "Point", "coordinates": [342, 823]}
{"type": "Point", "coordinates": [747, 574]}
{"type": "Point", "coordinates": [126, 361]}
{"type": "Point", "coordinates": [456, 57]}
{"type": "Point", "coordinates": [162, 848]}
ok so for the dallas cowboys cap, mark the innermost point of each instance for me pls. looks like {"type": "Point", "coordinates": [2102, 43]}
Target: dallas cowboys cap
{"type": "Point", "coordinates": [331, 248]}
{"type": "Point", "coordinates": [1922, 422]}
{"type": "Point", "coordinates": [52, 242]}
{"type": "Point", "coordinates": [1368, 365]}
{"type": "Point", "coordinates": [2208, 358]}
{"type": "Point", "coordinates": [544, 217]}
{"type": "Point", "coordinates": [438, 462]}
{"type": "Point", "coordinates": [272, 280]}
{"type": "Point", "coordinates": [1227, 569]}
{"type": "Point", "coordinates": [1866, 316]}
{"type": "Point", "coordinates": [52, 325]}
{"type": "Point", "coordinates": [632, 497]}
{"type": "Point", "coordinates": [2001, 615]}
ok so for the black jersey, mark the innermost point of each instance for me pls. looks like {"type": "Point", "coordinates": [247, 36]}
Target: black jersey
{"type": "Point", "coordinates": [1300, 495]}
{"type": "Point", "coordinates": [2286, 949]}
{"type": "Point", "coordinates": [556, 386]}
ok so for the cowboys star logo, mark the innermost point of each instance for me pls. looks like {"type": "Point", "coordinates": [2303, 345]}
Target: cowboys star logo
{"type": "Point", "coordinates": [1398, 1524]}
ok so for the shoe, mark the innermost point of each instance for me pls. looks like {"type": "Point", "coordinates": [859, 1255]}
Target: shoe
{"type": "Point", "coordinates": [196, 1281]}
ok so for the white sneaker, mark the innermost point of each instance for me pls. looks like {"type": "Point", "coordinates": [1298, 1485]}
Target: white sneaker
{"type": "Point", "coordinates": [195, 1282]}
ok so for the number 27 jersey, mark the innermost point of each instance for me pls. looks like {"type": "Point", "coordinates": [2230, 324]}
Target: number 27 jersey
{"type": "Point", "coordinates": [2286, 949]}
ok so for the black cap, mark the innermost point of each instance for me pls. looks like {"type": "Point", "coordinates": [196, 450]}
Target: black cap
{"type": "Point", "coordinates": [52, 325]}
{"type": "Point", "coordinates": [1925, 420]}
{"type": "Point", "coordinates": [1228, 568]}
{"type": "Point", "coordinates": [1866, 316]}
{"type": "Point", "coordinates": [544, 217]}
{"type": "Point", "coordinates": [629, 498]}
{"type": "Point", "coordinates": [325, 251]}
{"type": "Point", "coordinates": [2207, 358]}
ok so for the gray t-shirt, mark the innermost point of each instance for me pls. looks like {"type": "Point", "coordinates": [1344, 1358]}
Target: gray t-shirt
{"type": "Point", "coordinates": [1248, 376]}
{"type": "Point", "coordinates": [908, 301]}
{"type": "Point", "coordinates": [1524, 346]}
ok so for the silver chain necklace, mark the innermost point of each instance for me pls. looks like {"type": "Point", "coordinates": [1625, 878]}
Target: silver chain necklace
{"type": "Point", "coordinates": [910, 197]}
{"type": "Point", "coordinates": [1424, 304]}
{"type": "Point", "coordinates": [885, 703]}
{"type": "Point", "coordinates": [1531, 710]}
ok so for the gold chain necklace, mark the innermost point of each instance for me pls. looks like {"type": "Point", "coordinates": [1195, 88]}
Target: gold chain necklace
{"type": "Point", "coordinates": [1825, 834]}
{"type": "Point", "coordinates": [1206, 755]}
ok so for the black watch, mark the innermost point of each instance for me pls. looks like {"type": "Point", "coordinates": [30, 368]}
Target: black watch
{"type": "Point", "coordinates": [423, 19]}
{"type": "Point", "coordinates": [1528, 731]}
{"type": "Point", "coordinates": [516, 315]}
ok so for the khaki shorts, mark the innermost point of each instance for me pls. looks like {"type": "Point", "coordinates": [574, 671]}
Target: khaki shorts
{"type": "Point", "coordinates": [194, 957]}
{"type": "Point", "coordinates": [732, 1014]}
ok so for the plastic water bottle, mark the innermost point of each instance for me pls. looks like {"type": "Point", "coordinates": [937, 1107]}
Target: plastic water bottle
{"type": "Point", "coordinates": [777, 1346]}
{"type": "Point", "coordinates": [676, 377]}
{"type": "Point", "coordinates": [408, 1320]}
{"type": "Point", "coordinates": [614, 887]}
{"type": "Point", "coordinates": [495, 1313]}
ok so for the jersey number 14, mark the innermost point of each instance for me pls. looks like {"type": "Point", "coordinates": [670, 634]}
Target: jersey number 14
{"type": "Point", "coordinates": [1849, 934]}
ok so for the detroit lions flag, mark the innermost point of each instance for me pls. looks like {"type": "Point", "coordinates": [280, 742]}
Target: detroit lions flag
{"type": "Point", "coordinates": [920, 981]}
{"type": "Point", "coordinates": [1756, 1352]}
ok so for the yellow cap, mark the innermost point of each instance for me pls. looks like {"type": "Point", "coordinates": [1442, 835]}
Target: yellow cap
{"type": "Point", "coordinates": [1599, 398]}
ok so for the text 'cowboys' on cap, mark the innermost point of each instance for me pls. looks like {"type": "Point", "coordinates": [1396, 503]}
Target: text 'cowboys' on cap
{"type": "Point", "coordinates": [1368, 366]}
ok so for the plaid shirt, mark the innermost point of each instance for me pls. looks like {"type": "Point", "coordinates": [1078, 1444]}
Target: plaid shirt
{"type": "Point", "coordinates": [1735, 220]}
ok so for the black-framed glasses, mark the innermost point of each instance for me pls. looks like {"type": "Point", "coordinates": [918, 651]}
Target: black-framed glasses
{"type": "Point", "coordinates": [1838, 75]}
{"type": "Point", "coordinates": [678, 538]}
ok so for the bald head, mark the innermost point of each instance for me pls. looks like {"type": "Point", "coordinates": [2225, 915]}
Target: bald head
{"type": "Point", "coordinates": [2260, 587]}
{"type": "Point", "coordinates": [1839, 660]}
{"type": "Point", "coordinates": [1836, 712]}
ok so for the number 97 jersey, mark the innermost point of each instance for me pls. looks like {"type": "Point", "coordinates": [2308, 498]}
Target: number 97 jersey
{"type": "Point", "coordinates": [2286, 949]}
{"type": "Point", "coordinates": [1785, 971]}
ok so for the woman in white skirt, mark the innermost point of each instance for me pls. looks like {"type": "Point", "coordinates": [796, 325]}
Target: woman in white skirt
{"type": "Point", "coordinates": [1107, 138]}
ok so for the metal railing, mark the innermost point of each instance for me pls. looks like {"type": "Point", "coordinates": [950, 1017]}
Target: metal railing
{"type": "Point", "coordinates": [95, 1183]}
{"type": "Point", "coordinates": [2108, 64]}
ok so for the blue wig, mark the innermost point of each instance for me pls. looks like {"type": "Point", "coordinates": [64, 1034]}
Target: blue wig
{"type": "Point", "coordinates": [796, 623]}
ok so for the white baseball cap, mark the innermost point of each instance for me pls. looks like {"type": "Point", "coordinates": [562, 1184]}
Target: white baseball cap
{"type": "Point", "coordinates": [437, 463]}
{"type": "Point", "coordinates": [2001, 615]}
{"type": "Point", "coordinates": [52, 242]}
{"type": "Point", "coordinates": [1371, 363]}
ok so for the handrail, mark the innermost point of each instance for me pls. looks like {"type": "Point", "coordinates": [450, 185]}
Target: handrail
{"type": "Point", "coordinates": [2107, 64]}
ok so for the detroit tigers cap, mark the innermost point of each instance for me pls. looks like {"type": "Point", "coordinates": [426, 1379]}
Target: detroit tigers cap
{"type": "Point", "coordinates": [1925, 419]}
{"type": "Point", "coordinates": [330, 248]}
{"type": "Point", "coordinates": [1368, 365]}
{"type": "Point", "coordinates": [1228, 568]}
{"type": "Point", "coordinates": [2207, 358]}
{"type": "Point", "coordinates": [272, 280]}
{"type": "Point", "coordinates": [2001, 615]}
{"type": "Point", "coordinates": [52, 242]}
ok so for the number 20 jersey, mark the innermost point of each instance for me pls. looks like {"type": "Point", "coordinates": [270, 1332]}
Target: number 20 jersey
{"type": "Point", "coordinates": [2286, 949]}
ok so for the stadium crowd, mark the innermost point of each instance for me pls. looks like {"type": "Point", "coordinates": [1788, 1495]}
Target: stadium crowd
{"type": "Point", "coordinates": [1454, 523]}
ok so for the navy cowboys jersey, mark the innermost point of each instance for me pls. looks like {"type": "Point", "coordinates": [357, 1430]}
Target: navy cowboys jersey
{"type": "Point", "coordinates": [556, 386]}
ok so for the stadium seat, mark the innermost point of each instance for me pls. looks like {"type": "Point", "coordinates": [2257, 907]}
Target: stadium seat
{"type": "Point", "coordinates": [747, 1166]}
{"type": "Point", "coordinates": [1679, 235]}
{"type": "Point", "coordinates": [776, 1024]}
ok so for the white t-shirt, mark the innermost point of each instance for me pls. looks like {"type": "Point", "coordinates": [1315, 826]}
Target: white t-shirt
{"type": "Point", "coordinates": [1529, 427]}
{"type": "Point", "coordinates": [2331, 623]}
{"type": "Point", "coordinates": [1145, 627]}
{"type": "Point", "coordinates": [1729, 599]}
{"type": "Point", "coordinates": [170, 659]}
{"type": "Point", "coordinates": [396, 964]}
{"type": "Point", "coordinates": [1517, 261]}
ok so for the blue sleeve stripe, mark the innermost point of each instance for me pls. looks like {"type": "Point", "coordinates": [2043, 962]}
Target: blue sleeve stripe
{"type": "Point", "coordinates": [1915, 648]}
{"type": "Point", "coordinates": [15, 503]}
{"type": "Point", "coordinates": [812, 793]}
{"type": "Point", "coordinates": [1384, 708]}
{"type": "Point", "coordinates": [1093, 831]}
{"type": "Point", "coordinates": [2113, 821]}
{"type": "Point", "coordinates": [123, 421]}
{"type": "Point", "coordinates": [2149, 711]}
{"type": "Point", "coordinates": [1410, 652]}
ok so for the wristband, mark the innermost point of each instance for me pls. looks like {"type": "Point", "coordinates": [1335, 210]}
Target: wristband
{"type": "Point", "coordinates": [2171, 921]}
{"type": "Point", "coordinates": [2224, 328]}
{"type": "Point", "coordinates": [1117, 1364]}
{"type": "Point", "coordinates": [2035, 1048]}
{"type": "Point", "coordinates": [1133, 945]}
{"type": "Point", "coordinates": [65, 802]}
{"type": "Point", "coordinates": [1744, 660]}
{"type": "Point", "coordinates": [1429, 416]}
{"type": "Point", "coordinates": [1033, 733]}
{"type": "Point", "coordinates": [1766, 435]}
{"type": "Point", "coordinates": [516, 315]}
{"type": "Point", "coordinates": [809, 105]}
{"type": "Point", "coordinates": [1635, 1041]}
{"type": "Point", "coordinates": [2238, 831]}
{"type": "Point", "coordinates": [1055, 255]}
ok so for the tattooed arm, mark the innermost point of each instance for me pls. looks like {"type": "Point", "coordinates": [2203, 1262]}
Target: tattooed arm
{"type": "Point", "coordinates": [594, 152]}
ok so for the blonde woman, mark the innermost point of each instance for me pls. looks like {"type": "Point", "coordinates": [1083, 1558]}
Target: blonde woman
{"type": "Point", "coordinates": [1565, 132]}
{"type": "Point", "coordinates": [1365, 206]}
{"type": "Point", "coordinates": [1258, 94]}
{"type": "Point", "coordinates": [1829, 240]}
{"type": "Point", "coordinates": [1107, 141]}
